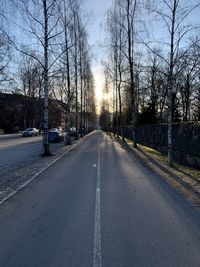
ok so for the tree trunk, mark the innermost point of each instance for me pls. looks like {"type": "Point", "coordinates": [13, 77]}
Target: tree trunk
{"type": "Point", "coordinates": [120, 104]}
{"type": "Point", "coordinates": [116, 109]}
{"type": "Point", "coordinates": [76, 76]}
{"type": "Point", "coordinates": [68, 140]}
{"type": "Point", "coordinates": [171, 85]}
{"type": "Point", "coordinates": [132, 85]}
{"type": "Point", "coordinates": [120, 81]}
{"type": "Point", "coordinates": [81, 87]}
{"type": "Point", "coordinates": [46, 151]}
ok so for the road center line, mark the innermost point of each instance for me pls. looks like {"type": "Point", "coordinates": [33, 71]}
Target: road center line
{"type": "Point", "coordinates": [97, 224]}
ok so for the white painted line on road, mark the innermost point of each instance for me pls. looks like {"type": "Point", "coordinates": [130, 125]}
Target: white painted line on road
{"type": "Point", "coordinates": [97, 223]}
{"type": "Point", "coordinates": [44, 169]}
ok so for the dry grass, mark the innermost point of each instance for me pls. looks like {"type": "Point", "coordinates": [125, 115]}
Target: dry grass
{"type": "Point", "coordinates": [163, 159]}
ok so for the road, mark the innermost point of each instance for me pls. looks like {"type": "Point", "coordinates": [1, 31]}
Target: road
{"type": "Point", "coordinates": [98, 206]}
{"type": "Point", "coordinates": [15, 149]}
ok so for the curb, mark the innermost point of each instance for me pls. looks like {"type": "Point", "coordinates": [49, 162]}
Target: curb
{"type": "Point", "coordinates": [41, 171]}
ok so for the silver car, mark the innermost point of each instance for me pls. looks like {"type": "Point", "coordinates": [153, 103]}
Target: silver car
{"type": "Point", "coordinates": [30, 132]}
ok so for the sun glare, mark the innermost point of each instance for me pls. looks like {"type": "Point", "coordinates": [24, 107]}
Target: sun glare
{"type": "Point", "coordinates": [99, 83]}
{"type": "Point", "coordinates": [106, 97]}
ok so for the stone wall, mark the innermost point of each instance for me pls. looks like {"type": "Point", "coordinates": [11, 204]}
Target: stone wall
{"type": "Point", "coordinates": [186, 140]}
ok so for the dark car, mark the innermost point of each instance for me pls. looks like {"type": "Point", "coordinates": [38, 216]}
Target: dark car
{"type": "Point", "coordinates": [72, 132]}
{"type": "Point", "coordinates": [55, 136]}
{"type": "Point", "coordinates": [30, 132]}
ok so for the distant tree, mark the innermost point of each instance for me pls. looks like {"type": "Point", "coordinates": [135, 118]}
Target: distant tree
{"type": "Point", "coordinates": [104, 118]}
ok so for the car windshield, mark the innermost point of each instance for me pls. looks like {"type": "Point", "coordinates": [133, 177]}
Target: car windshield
{"type": "Point", "coordinates": [29, 129]}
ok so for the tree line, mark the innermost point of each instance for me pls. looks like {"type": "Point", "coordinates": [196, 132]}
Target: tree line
{"type": "Point", "coordinates": [46, 44]}
{"type": "Point", "coordinates": [153, 66]}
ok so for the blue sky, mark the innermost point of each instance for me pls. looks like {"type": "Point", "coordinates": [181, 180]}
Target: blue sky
{"type": "Point", "coordinates": [96, 26]}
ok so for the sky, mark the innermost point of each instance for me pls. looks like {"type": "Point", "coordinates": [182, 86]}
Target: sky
{"type": "Point", "coordinates": [96, 36]}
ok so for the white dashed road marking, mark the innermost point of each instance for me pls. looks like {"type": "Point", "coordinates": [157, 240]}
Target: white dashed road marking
{"type": "Point", "coordinates": [97, 225]}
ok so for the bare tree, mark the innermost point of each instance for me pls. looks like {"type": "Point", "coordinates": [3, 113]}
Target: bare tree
{"type": "Point", "coordinates": [41, 20]}
{"type": "Point", "coordinates": [72, 66]}
{"type": "Point", "coordinates": [130, 15]}
{"type": "Point", "coordinates": [122, 21]}
{"type": "Point", "coordinates": [174, 17]}
{"type": "Point", "coordinates": [4, 57]}
{"type": "Point", "coordinates": [5, 47]}
{"type": "Point", "coordinates": [65, 70]}
{"type": "Point", "coordinates": [30, 73]}
{"type": "Point", "coordinates": [186, 80]}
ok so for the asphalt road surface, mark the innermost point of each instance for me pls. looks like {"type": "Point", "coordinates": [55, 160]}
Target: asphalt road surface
{"type": "Point", "coordinates": [98, 206]}
{"type": "Point", "coordinates": [15, 149]}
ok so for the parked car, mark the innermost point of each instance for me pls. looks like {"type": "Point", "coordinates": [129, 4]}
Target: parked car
{"type": "Point", "coordinates": [72, 132]}
{"type": "Point", "coordinates": [54, 130]}
{"type": "Point", "coordinates": [59, 128]}
{"type": "Point", "coordinates": [30, 132]}
{"type": "Point", "coordinates": [55, 135]}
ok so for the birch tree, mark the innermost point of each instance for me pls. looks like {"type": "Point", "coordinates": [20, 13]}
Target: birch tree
{"type": "Point", "coordinates": [41, 20]}
{"type": "Point", "coordinates": [123, 21]}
